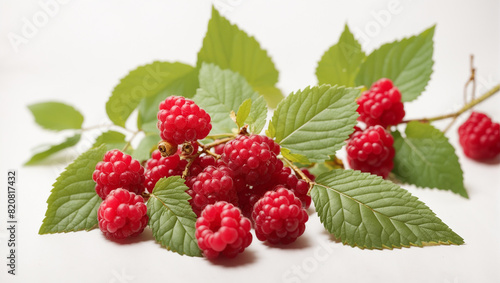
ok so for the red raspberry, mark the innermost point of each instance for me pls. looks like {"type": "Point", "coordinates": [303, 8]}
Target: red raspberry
{"type": "Point", "coordinates": [222, 229]}
{"type": "Point", "coordinates": [371, 151]}
{"type": "Point", "coordinates": [381, 105]}
{"type": "Point", "coordinates": [210, 186]}
{"type": "Point", "coordinates": [122, 214]}
{"type": "Point", "coordinates": [480, 137]}
{"type": "Point", "coordinates": [118, 170]}
{"type": "Point", "coordinates": [201, 162]}
{"type": "Point", "coordinates": [298, 186]}
{"type": "Point", "coordinates": [181, 120]}
{"type": "Point", "coordinates": [159, 167]}
{"type": "Point", "coordinates": [253, 157]}
{"type": "Point", "coordinates": [279, 217]}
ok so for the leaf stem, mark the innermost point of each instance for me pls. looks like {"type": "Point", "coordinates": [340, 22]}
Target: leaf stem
{"type": "Point", "coordinates": [466, 107]}
{"type": "Point", "coordinates": [300, 174]}
{"type": "Point", "coordinates": [131, 139]}
{"type": "Point", "coordinates": [218, 136]}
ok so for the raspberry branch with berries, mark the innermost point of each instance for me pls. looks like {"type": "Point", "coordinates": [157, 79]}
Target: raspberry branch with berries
{"type": "Point", "coordinates": [207, 171]}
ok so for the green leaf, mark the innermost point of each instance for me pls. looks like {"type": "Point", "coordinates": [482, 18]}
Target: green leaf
{"type": "Point", "coordinates": [367, 211]}
{"type": "Point", "coordinates": [425, 158]}
{"type": "Point", "coordinates": [73, 202]}
{"type": "Point", "coordinates": [315, 122]}
{"type": "Point", "coordinates": [171, 217]}
{"type": "Point", "coordinates": [56, 116]}
{"type": "Point", "coordinates": [294, 157]}
{"type": "Point", "coordinates": [408, 63]}
{"type": "Point", "coordinates": [223, 91]}
{"type": "Point", "coordinates": [272, 95]}
{"type": "Point", "coordinates": [231, 48]}
{"type": "Point", "coordinates": [69, 142]}
{"type": "Point", "coordinates": [111, 139]}
{"type": "Point", "coordinates": [147, 145]}
{"type": "Point", "coordinates": [145, 81]}
{"type": "Point", "coordinates": [340, 64]}
{"type": "Point", "coordinates": [185, 86]}
{"type": "Point", "coordinates": [243, 112]}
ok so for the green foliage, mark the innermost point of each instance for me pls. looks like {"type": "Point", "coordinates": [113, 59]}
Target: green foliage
{"type": "Point", "coordinates": [231, 48]}
{"type": "Point", "coordinates": [315, 122]}
{"type": "Point", "coordinates": [171, 217]}
{"type": "Point", "coordinates": [73, 202]}
{"type": "Point", "coordinates": [56, 116]}
{"type": "Point", "coordinates": [425, 158]}
{"type": "Point", "coordinates": [243, 112]}
{"type": "Point", "coordinates": [69, 142]}
{"type": "Point", "coordinates": [408, 63]}
{"type": "Point", "coordinates": [111, 139]}
{"type": "Point", "coordinates": [223, 91]}
{"type": "Point", "coordinates": [340, 64]}
{"type": "Point", "coordinates": [367, 211]}
{"type": "Point", "coordinates": [147, 145]}
{"type": "Point", "coordinates": [154, 81]}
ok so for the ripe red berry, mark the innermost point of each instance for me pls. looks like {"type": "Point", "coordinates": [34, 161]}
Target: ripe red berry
{"type": "Point", "coordinates": [118, 170]}
{"type": "Point", "coordinates": [211, 185]}
{"type": "Point", "coordinates": [221, 229]}
{"type": "Point", "coordinates": [181, 120]}
{"type": "Point", "coordinates": [122, 214]}
{"type": "Point", "coordinates": [371, 151]}
{"type": "Point", "coordinates": [480, 137]}
{"type": "Point", "coordinates": [381, 105]}
{"type": "Point", "coordinates": [279, 217]}
{"type": "Point", "coordinates": [158, 167]}
{"type": "Point", "coordinates": [252, 157]}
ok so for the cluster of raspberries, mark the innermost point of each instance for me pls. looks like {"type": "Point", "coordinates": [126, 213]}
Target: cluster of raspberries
{"type": "Point", "coordinates": [240, 183]}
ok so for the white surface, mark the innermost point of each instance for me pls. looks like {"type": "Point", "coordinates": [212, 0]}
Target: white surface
{"type": "Point", "coordinates": [83, 51]}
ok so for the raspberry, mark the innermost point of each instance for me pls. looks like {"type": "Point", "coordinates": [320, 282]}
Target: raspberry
{"type": "Point", "coordinates": [181, 120]}
{"type": "Point", "coordinates": [118, 170]}
{"type": "Point", "coordinates": [298, 186]}
{"type": "Point", "coordinates": [279, 217]}
{"type": "Point", "coordinates": [253, 157]}
{"type": "Point", "coordinates": [122, 214]}
{"type": "Point", "coordinates": [210, 186]}
{"type": "Point", "coordinates": [159, 167]}
{"type": "Point", "coordinates": [371, 151]}
{"type": "Point", "coordinates": [480, 137]}
{"type": "Point", "coordinates": [381, 105]}
{"type": "Point", "coordinates": [222, 229]}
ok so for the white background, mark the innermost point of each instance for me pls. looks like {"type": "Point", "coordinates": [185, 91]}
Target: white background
{"type": "Point", "coordinates": [85, 47]}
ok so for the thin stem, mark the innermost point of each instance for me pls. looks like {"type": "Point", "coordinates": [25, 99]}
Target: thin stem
{"type": "Point", "coordinates": [466, 107]}
{"type": "Point", "coordinates": [216, 143]}
{"type": "Point", "coordinates": [218, 136]}
{"type": "Point", "coordinates": [131, 139]}
{"type": "Point", "coordinates": [300, 174]}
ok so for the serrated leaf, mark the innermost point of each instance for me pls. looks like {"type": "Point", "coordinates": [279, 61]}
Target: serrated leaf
{"type": "Point", "coordinates": [171, 217]}
{"type": "Point", "coordinates": [408, 63]}
{"type": "Point", "coordinates": [223, 91]}
{"type": "Point", "coordinates": [111, 139]}
{"type": "Point", "coordinates": [69, 142]}
{"type": "Point", "coordinates": [294, 157]}
{"type": "Point", "coordinates": [145, 81]}
{"type": "Point", "coordinates": [231, 48]}
{"type": "Point", "coordinates": [367, 211]}
{"type": "Point", "coordinates": [185, 85]}
{"type": "Point", "coordinates": [147, 145]}
{"type": "Point", "coordinates": [340, 64]}
{"type": "Point", "coordinates": [315, 122]}
{"type": "Point", "coordinates": [243, 112]}
{"type": "Point", "coordinates": [56, 116]}
{"type": "Point", "coordinates": [425, 158]}
{"type": "Point", "coordinates": [73, 202]}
